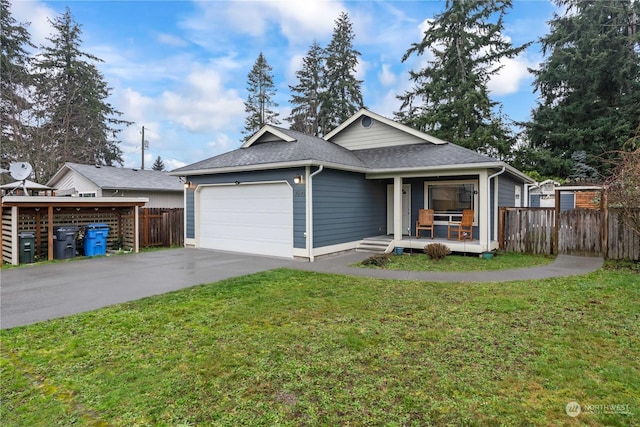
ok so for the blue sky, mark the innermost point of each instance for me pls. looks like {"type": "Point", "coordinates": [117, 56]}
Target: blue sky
{"type": "Point", "coordinates": [179, 68]}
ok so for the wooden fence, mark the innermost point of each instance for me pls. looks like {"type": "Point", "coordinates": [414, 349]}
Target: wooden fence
{"type": "Point", "coordinates": [578, 232]}
{"type": "Point", "coordinates": [161, 227]}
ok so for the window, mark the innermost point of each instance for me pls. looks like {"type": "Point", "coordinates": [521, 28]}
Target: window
{"type": "Point", "coordinates": [366, 122]}
{"type": "Point", "coordinates": [86, 194]}
{"type": "Point", "coordinates": [449, 198]}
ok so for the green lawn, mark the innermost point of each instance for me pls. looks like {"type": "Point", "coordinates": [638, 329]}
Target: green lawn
{"type": "Point", "coordinates": [418, 261]}
{"type": "Point", "coordinates": [296, 348]}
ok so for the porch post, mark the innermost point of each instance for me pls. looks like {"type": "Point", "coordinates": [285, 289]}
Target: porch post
{"type": "Point", "coordinates": [484, 224]}
{"type": "Point", "coordinates": [397, 208]}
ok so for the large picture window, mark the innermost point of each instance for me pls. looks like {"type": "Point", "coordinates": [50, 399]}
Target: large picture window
{"type": "Point", "coordinates": [448, 199]}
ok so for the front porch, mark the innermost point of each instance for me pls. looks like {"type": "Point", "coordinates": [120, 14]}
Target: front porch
{"type": "Point", "coordinates": [377, 243]}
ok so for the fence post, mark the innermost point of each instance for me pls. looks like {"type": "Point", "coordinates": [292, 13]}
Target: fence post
{"type": "Point", "coordinates": [555, 245]}
{"type": "Point", "coordinates": [604, 204]}
{"type": "Point", "coordinates": [501, 228]}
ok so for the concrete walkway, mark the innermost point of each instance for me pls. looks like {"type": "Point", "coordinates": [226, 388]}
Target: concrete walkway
{"type": "Point", "coordinates": [35, 293]}
{"type": "Point", "coordinates": [563, 265]}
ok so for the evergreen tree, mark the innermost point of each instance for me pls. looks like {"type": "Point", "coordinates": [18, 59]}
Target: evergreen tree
{"type": "Point", "coordinates": [15, 83]}
{"type": "Point", "coordinates": [305, 97]}
{"type": "Point", "coordinates": [449, 98]}
{"type": "Point", "coordinates": [158, 164]}
{"type": "Point", "coordinates": [342, 96]}
{"type": "Point", "coordinates": [76, 121]}
{"type": "Point", "coordinates": [259, 103]}
{"type": "Point", "coordinates": [588, 85]}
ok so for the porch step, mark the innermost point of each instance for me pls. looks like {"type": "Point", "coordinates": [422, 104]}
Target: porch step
{"type": "Point", "coordinates": [374, 245]}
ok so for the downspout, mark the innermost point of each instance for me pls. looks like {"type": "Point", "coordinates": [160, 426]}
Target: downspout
{"type": "Point", "coordinates": [489, 219]}
{"type": "Point", "coordinates": [310, 211]}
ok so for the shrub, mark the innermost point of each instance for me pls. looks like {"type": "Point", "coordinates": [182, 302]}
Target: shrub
{"type": "Point", "coordinates": [378, 260]}
{"type": "Point", "coordinates": [437, 251]}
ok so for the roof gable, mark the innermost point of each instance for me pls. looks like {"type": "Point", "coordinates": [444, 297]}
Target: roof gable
{"type": "Point", "coordinates": [366, 129]}
{"type": "Point", "coordinates": [267, 133]}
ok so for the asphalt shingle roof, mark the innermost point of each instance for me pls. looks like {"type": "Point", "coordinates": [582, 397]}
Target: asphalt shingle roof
{"type": "Point", "coordinates": [318, 150]}
{"type": "Point", "coordinates": [419, 155]}
{"type": "Point", "coordinates": [128, 179]}
{"type": "Point", "coordinates": [304, 148]}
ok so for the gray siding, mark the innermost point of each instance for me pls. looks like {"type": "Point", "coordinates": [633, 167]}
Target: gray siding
{"type": "Point", "coordinates": [507, 191]}
{"type": "Point", "coordinates": [299, 206]}
{"type": "Point", "coordinates": [535, 200]}
{"type": "Point", "coordinates": [567, 201]}
{"type": "Point", "coordinates": [347, 207]}
{"type": "Point", "coordinates": [190, 215]}
{"type": "Point", "coordinates": [355, 137]}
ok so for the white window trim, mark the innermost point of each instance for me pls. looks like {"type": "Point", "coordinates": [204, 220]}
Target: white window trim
{"type": "Point", "coordinates": [87, 194]}
{"type": "Point", "coordinates": [453, 217]}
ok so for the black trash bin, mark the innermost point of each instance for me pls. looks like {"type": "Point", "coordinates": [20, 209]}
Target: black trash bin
{"type": "Point", "coordinates": [64, 241]}
{"type": "Point", "coordinates": [27, 247]}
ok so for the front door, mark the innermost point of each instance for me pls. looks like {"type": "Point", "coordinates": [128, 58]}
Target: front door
{"type": "Point", "coordinates": [406, 209]}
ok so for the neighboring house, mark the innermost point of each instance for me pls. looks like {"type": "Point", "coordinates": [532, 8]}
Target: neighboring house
{"type": "Point", "coordinates": [162, 189]}
{"type": "Point", "coordinates": [543, 195]}
{"type": "Point", "coordinates": [284, 193]}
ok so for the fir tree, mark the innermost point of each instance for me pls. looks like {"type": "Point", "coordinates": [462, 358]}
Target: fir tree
{"type": "Point", "coordinates": [259, 104]}
{"type": "Point", "coordinates": [158, 164]}
{"type": "Point", "coordinates": [77, 122]}
{"type": "Point", "coordinates": [305, 97]}
{"type": "Point", "coordinates": [588, 85]}
{"type": "Point", "coordinates": [15, 83]}
{"type": "Point", "coordinates": [449, 98]}
{"type": "Point", "coordinates": [342, 95]}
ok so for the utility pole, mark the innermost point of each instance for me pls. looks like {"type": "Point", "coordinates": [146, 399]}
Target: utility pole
{"type": "Point", "coordinates": [145, 144]}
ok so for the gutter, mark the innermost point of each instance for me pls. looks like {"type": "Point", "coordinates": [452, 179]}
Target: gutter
{"type": "Point", "coordinates": [489, 219]}
{"type": "Point", "coordinates": [310, 211]}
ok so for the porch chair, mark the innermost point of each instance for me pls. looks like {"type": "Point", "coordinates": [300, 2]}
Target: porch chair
{"type": "Point", "coordinates": [463, 228]}
{"type": "Point", "coordinates": [424, 222]}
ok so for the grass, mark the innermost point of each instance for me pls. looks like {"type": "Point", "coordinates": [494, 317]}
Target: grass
{"type": "Point", "coordinates": [420, 262]}
{"type": "Point", "coordinates": [296, 348]}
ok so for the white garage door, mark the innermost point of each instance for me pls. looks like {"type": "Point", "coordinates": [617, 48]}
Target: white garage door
{"type": "Point", "coordinates": [251, 218]}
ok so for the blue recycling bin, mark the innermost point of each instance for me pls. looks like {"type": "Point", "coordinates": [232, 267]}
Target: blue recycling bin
{"type": "Point", "coordinates": [95, 239]}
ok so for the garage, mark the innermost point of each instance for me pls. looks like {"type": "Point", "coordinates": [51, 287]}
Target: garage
{"type": "Point", "coordinates": [254, 218]}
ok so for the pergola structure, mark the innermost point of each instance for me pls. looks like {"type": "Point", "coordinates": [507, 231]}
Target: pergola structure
{"type": "Point", "coordinates": [41, 214]}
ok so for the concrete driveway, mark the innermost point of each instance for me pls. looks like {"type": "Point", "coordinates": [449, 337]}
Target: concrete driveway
{"type": "Point", "coordinates": [34, 293]}
{"type": "Point", "coordinates": [40, 292]}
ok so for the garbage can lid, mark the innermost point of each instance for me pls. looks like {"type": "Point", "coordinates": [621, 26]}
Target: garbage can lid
{"type": "Point", "coordinates": [70, 227]}
{"type": "Point", "coordinates": [97, 225]}
{"type": "Point", "coordinates": [27, 234]}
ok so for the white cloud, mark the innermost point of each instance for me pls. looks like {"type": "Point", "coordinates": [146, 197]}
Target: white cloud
{"type": "Point", "coordinates": [203, 104]}
{"type": "Point", "coordinates": [37, 15]}
{"type": "Point", "coordinates": [171, 40]}
{"type": "Point", "coordinates": [511, 76]}
{"type": "Point", "coordinates": [386, 76]}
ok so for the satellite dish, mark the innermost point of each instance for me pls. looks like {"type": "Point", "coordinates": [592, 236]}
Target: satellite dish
{"type": "Point", "coordinates": [20, 171]}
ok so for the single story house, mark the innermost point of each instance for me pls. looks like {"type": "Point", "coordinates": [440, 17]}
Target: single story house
{"type": "Point", "coordinates": [284, 193]}
{"type": "Point", "coordinates": [78, 180]}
